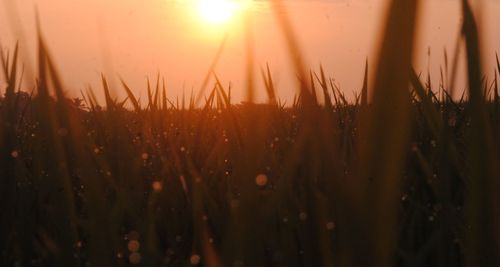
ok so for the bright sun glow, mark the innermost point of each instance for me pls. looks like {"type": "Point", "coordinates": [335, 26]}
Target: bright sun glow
{"type": "Point", "coordinates": [220, 11]}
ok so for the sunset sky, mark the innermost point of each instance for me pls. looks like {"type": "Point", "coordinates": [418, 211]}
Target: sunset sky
{"type": "Point", "coordinates": [179, 38]}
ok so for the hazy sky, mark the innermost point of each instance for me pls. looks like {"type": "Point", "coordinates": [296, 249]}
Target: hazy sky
{"type": "Point", "coordinates": [138, 38]}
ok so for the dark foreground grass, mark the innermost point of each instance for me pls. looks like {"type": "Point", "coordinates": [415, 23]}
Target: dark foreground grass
{"type": "Point", "coordinates": [235, 185]}
{"type": "Point", "coordinates": [407, 178]}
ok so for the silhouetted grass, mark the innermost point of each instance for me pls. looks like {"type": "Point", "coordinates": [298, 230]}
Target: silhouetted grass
{"type": "Point", "coordinates": [404, 175]}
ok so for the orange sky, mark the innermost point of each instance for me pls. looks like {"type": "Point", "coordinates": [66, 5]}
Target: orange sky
{"type": "Point", "coordinates": [137, 38]}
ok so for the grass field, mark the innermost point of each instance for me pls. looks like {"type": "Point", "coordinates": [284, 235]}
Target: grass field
{"type": "Point", "coordinates": [404, 175]}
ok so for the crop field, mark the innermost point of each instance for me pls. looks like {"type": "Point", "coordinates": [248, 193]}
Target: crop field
{"type": "Point", "coordinates": [401, 175]}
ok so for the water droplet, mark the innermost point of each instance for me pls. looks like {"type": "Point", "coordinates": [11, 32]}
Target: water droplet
{"type": "Point", "coordinates": [433, 143]}
{"type": "Point", "coordinates": [96, 150]}
{"type": "Point", "coordinates": [135, 258]}
{"type": "Point", "coordinates": [133, 245]}
{"type": "Point", "coordinates": [182, 149]}
{"type": "Point", "coordinates": [195, 259]}
{"type": "Point", "coordinates": [178, 238]}
{"type": "Point", "coordinates": [285, 220]}
{"type": "Point", "coordinates": [330, 225]}
{"type": "Point", "coordinates": [303, 216]}
{"type": "Point", "coordinates": [261, 180]}
{"type": "Point", "coordinates": [14, 154]}
{"type": "Point", "coordinates": [144, 156]}
{"type": "Point", "coordinates": [414, 147]}
{"type": "Point", "coordinates": [157, 186]}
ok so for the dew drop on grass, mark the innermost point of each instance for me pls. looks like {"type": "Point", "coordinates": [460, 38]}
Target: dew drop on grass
{"type": "Point", "coordinates": [303, 216]}
{"type": "Point", "coordinates": [157, 186]}
{"type": "Point", "coordinates": [261, 180]}
{"type": "Point", "coordinates": [133, 245]}
{"type": "Point", "coordinates": [330, 226]}
{"type": "Point", "coordinates": [433, 143]}
{"type": "Point", "coordinates": [414, 147]}
{"type": "Point", "coordinates": [195, 259]}
{"type": "Point", "coordinates": [182, 149]}
{"type": "Point", "coordinates": [14, 154]}
{"type": "Point", "coordinates": [135, 258]}
{"type": "Point", "coordinates": [285, 220]}
{"type": "Point", "coordinates": [144, 156]}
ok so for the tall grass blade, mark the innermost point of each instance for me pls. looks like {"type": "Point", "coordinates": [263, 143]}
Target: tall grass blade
{"type": "Point", "coordinates": [364, 90]}
{"type": "Point", "coordinates": [131, 96]}
{"type": "Point", "coordinates": [384, 139]}
{"type": "Point", "coordinates": [483, 214]}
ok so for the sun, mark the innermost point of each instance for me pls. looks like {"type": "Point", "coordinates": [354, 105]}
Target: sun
{"type": "Point", "coordinates": [219, 11]}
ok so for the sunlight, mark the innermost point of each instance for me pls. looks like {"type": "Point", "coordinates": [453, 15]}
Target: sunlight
{"type": "Point", "coordinates": [220, 11]}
